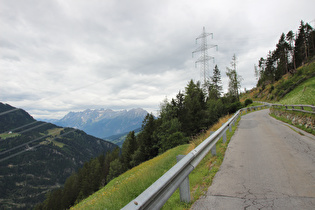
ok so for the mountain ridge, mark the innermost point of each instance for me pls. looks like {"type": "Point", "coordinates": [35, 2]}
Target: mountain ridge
{"type": "Point", "coordinates": [103, 123]}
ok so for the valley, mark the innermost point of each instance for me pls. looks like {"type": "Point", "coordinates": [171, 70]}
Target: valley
{"type": "Point", "coordinates": [37, 157]}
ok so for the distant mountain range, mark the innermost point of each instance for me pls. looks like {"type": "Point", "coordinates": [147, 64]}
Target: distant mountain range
{"type": "Point", "coordinates": [36, 157]}
{"type": "Point", "coordinates": [103, 123]}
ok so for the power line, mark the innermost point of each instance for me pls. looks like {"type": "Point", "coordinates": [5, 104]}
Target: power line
{"type": "Point", "coordinates": [23, 126]}
{"type": "Point", "coordinates": [24, 144]}
{"type": "Point", "coordinates": [6, 112]}
{"type": "Point", "coordinates": [28, 147]}
{"type": "Point", "coordinates": [37, 126]}
{"type": "Point", "coordinates": [204, 57]}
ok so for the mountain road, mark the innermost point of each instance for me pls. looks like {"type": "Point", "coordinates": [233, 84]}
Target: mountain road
{"type": "Point", "coordinates": [267, 165]}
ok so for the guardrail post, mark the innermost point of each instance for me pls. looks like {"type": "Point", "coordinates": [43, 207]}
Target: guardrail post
{"type": "Point", "coordinates": [224, 135]}
{"type": "Point", "coordinates": [184, 189]}
{"type": "Point", "coordinates": [230, 128]}
{"type": "Point", "coordinates": [213, 149]}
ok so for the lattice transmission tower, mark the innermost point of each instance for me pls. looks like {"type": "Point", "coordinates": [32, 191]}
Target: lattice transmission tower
{"type": "Point", "coordinates": [204, 57]}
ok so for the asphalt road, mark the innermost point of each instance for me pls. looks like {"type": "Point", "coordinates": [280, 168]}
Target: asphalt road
{"type": "Point", "coordinates": [267, 165]}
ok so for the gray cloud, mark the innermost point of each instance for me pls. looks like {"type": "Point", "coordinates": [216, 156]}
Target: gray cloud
{"type": "Point", "coordinates": [60, 56]}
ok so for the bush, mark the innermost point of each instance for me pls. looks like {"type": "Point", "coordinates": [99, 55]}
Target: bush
{"type": "Point", "coordinates": [233, 107]}
{"type": "Point", "coordinates": [271, 88]}
{"type": "Point", "coordinates": [248, 101]}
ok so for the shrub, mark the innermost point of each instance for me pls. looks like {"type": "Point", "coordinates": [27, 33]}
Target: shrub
{"type": "Point", "coordinates": [248, 101]}
{"type": "Point", "coordinates": [233, 107]}
{"type": "Point", "coordinates": [271, 88]}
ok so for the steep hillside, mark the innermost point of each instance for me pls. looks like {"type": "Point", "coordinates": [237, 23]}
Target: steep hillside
{"type": "Point", "coordinates": [104, 122]}
{"type": "Point", "coordinates": [36, 157]}
{"type": "Point", "coordinates": [120, 138]}
{"type": "Point", "coordinates": [297, 88]}
{"type": "Point", "coordinates": [302, 94]}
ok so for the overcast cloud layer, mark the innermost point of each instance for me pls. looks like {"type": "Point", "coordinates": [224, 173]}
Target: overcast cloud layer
{"type": "Point", "coordinates": [58, 56]}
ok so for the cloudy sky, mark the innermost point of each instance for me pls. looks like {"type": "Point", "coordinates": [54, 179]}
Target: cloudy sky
{"type": "Point", "coordinates": [58, 56]}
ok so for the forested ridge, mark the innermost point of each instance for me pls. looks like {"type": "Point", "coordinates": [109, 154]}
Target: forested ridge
{"type": "Point", "coordinates": [286, 67]}
{"type": "Point", "coordinates": [292, 51]}
{"type": "Point", "coordinates": [37, 157]}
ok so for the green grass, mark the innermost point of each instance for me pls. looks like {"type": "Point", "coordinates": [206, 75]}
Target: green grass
{"type": "Point", "coordinates": [8, 135]}
{"type": "Point", "coordinates": [284, 90]}
{"type": "Point", "coordinates": [54, 133]}
{"type": "Point", "coordinates": [303, 94]}
{"type": "Point", "coordinates": [129, 185]}
{"type": "Point", "coordinates": [121, 190]}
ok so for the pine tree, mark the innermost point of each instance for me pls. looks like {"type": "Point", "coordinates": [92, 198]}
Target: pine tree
{"type": "Point", "coordinates": [115, 169]}
{"type": "Point", "coordinates": [147, 144]}
{"type": "Point", "coordinates": [281, 57]}
{"type": "Point", "coordinates": [234, 79]}
{"type": "Point", "coordinates": [195, 105]}
{"type": "Point", "coordinates": [216, 82]}
{"type": "Point", "coordinates": [290, 39]}
{"type": "Point", "coordinates": [270, 67]}
{"type": "Point", "coordinates": [128, 149]}
{"type": "Point", "coordinates": [301, 45]}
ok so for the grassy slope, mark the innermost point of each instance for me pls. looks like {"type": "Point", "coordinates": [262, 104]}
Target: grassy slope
{"type": "Point", "coordinates": [127, 186]}
{"type": "Point", "coordinates": [302, 94]}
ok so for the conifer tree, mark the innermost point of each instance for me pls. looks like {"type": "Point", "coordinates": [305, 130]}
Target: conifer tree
{"type": "Point", "coordinates": [128, 148]}
{"type": "Point", "coordinates": [216, 82]}
{"type": "Point", "coordinates": [147, 144]}
{"type": "Point", "coordinates": [195, 106]}
{"type": "Point", "coordinates": [234, 79]}
{"type": "Point", "coordinates": [290, 39]}
{"type": "Point", "coordinates": [281, 56]}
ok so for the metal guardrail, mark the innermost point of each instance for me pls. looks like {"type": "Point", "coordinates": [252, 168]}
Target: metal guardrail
{"type": "Point", "coordinates": [293, 107]}
{"type": "Point", "coordinates": [155, 196]}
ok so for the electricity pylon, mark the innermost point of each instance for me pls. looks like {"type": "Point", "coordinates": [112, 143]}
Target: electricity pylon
{"type": "Point", "coordinates": [204, 57]}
